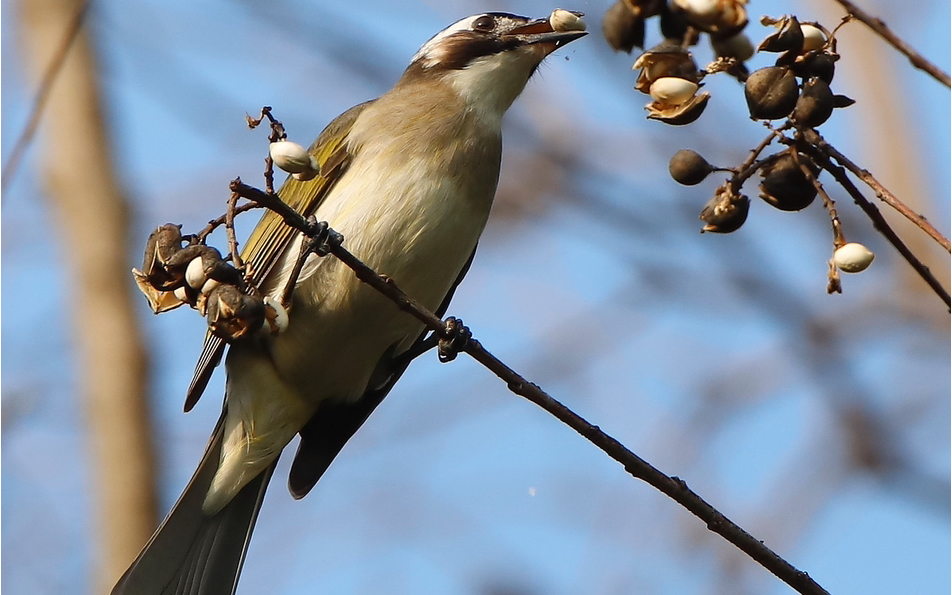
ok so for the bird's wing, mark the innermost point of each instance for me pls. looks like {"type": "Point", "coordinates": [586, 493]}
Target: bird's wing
{"type": "Point", "coordinates": [329, 429]}
{"type": "Point", "coordinates": [272, 236]}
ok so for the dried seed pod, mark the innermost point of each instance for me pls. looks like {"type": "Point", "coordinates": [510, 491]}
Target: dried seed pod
{"type": "Point", "coordinates": [818, 64]}
{"type": "Point", "coordinates": [815, 104]}
{"type": "Point", "coordinates": [232, 314]}
{"type": "Point", "coordinates": [726, 212]}
{"type": "Point", "coordinates": [162, 244]}
{"type": "Point", "coordinates": [689, 168]}
{"type": "Point", "coordinates": [674, 26]}
{"type": "Point", "coordinates": [787, 38]}
{"type": "Point", "coordinates": [679, 115]}
{"type": "Point", "coordinates": [738, 47]}
{"type": "Point", "coordinates": [785, 186]}
{"type": "Point", "coordinates": [665, 60]}
{"type": "Point", "coordinates": [566, 20]}
{"type": "Point", "coordinates": [159, 301]}
{"type": "Point", "coordinates": [853, 258]}
{"type": "Point", "coordinates": [623, 30]}
{"type": "Point", "coordinates": [771, 92]}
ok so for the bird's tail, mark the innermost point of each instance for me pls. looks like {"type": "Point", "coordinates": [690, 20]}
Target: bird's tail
{"type": "Point", "coordinates": [194, 553]}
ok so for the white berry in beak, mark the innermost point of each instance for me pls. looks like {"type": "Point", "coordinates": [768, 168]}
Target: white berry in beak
{"type": "Point", "coordinates": [564, 20]}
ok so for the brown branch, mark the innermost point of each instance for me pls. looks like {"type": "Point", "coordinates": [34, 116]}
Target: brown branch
{"type": "Point", "coordinates": [879, 222]}
{"type": "Point", "coordinates": [878, 26]}
{"type": "Point", "coordinates": [833, 275]}
{"type": "Point", "coordinates": [219, 221]}
{"type": "Point", "coordinates": [672, 486]}
{"type": "Point", "coordinates": [751, 165]}
{"type": "Point", "coordinates": [42, 94]}
{"type": "Point", "coordinates": [882, 193]}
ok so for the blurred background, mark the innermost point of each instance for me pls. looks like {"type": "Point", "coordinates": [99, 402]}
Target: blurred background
{"type": "Point", "coordinates": [818, 423]}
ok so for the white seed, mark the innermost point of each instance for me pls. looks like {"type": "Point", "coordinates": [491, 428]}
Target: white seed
{"type": "Point", "coordinates": [852, 257]}
{"type": "Point", "coordinates": [700, 8]}
{"type": "Point", "coordinates": [738, 47]}
{"type": "Point", "coordinates": [671, 90]}
{"type": "Point", "coordinates": [310, 173]}
{"type": "Point", "coordinates": [813, 38]}
{"type": "Point", "coordinates": [290, 156]}
{"type": "Point", "coordinates": [208, 286]}
{"type": "Point", "coordinates": [181, 294]}
{"type": "Point", "coordinates": [195, 273]}
{"type": "Point", "coordinates": [277, 315]}
{"type": "Point", "coordinates": [563, 20]}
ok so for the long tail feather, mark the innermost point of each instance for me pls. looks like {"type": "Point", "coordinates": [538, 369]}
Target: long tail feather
{"type": "Point", "coordinates": [193, 553]}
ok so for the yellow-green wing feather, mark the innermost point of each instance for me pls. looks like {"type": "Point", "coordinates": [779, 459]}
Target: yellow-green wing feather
{"type": "Point", "coordinates": [271, 237]}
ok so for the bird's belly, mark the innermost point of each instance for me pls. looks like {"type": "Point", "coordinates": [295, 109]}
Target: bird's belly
{"type": "Point", "coordinates": [418, 233]}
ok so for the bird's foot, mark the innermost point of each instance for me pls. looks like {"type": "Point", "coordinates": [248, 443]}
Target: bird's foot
{"type": "Point", "coordinates": [455, 337]}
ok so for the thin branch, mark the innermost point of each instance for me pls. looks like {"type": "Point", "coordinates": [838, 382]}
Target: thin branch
{"type": "Point", "coordinates": [883, 31]}
{"type": "Point", "coordinates": [674, 487]}
{"type": "Point", "coordinates": [879, 222]}
{"type": "Point", "coordinates": [751, 165]}
{"type": "Point", "coordinates": [834, 284]}
{"type": "Point", "coordinates": [42, 94]}
{"type": "Point", "coordinates": [881, 192]}
{"type": "Point", "coordinates": [219, 221]}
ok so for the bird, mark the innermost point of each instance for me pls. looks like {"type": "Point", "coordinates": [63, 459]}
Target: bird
{"type": "Point", "coordinates": [408, 179]}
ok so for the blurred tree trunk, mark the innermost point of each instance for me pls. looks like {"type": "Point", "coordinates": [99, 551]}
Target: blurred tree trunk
{"type": "Point", "coordinates": [92, 224]}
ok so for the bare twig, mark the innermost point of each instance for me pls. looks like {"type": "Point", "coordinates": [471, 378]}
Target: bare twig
{"type": "Point", "coordinates": [883, 31]}
{"type": "Point", "coordinates": [219, 221]}
{"type": "Point", "coordinates": [834, 284]}
{"type": "Point", "coordinates": [42, 94]}
{"type": "Point", "coordinates": [230, 230]}
{"type": "Point", "coordinates": [674, 487]}
{"type": "Point", "coordinates": [879, 222]}
{"type": "Point", "coordinates": [882, 193]}
{"type": "Point", "coordinates": [838, 238]}
{"type": "Point", "coordinates": [751, 165]}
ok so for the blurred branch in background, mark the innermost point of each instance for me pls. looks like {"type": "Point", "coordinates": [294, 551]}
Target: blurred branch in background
{"type": "Point", "coordinates": [92, 223]}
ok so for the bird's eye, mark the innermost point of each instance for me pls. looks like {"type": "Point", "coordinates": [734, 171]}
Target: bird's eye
{"type": "Point", "coordinates": [484, 24]}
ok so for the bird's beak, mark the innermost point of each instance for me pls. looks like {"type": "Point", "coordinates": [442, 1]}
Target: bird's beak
{"type": "Point", "coordinates": [540, 31]}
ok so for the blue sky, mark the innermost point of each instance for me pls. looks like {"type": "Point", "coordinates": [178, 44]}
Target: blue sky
{"type": "Point", "coordinates": [719, 359]}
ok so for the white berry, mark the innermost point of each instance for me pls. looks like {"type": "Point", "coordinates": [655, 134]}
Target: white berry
{"type": "Point", "coordinates": [813, 38]}
{"type": "Point", "coordinates": [563, 20]}
{"type": "Point", "coordinates": [852, 257]}
{"type": "Point", "coordinates": [671, 90]}
{"type": "Point", "coordinates": [290, 156]}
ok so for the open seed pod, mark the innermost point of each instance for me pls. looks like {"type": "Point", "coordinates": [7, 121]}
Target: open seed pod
{"type": "Point", "coordinates": [787, 38]}
{"type": "Point", "coordinates": [679, 115]}
{"type": "Point", "coordinates": [665, 60]}
{"type": "Point", "coordinates": [784, 184]}
{"type": "Point", "coordinates": [726, 212]}
{"type": "Point", "coordinates": [162, 244]}
{"type": "Point", "coordinates": [232, 314]}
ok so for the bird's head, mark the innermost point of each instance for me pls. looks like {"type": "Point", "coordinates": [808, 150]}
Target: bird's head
{"type": "Point", "coordinates": [488, 58]}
